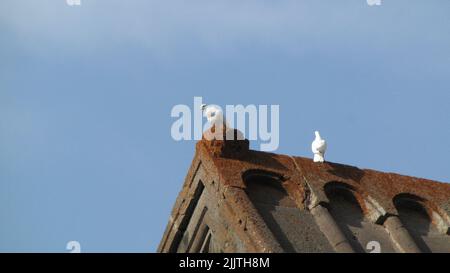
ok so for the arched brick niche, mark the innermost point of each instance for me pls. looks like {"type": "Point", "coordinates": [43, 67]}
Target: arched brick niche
{"type": "Point", "coordinates": [294, 229]}
{"type": "Point", "coordinates": [357, 217]}
{"type": "Point", "coordinates": [426, 223]}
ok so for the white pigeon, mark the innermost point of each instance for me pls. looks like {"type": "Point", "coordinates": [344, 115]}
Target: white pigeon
{"type": "Point", "coordinates": [318, 147]}
{"type": "Point", "coordinates": [214, 115]}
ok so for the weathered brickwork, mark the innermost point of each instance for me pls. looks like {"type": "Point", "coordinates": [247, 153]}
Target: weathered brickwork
{"type": "Point", "coordinates": [238, 200]}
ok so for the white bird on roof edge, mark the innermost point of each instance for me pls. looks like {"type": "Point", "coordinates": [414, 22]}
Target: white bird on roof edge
{"type": "Point", "coordinates": [214, 115]}
{"type": "Point", "coordinates": [318, 147]}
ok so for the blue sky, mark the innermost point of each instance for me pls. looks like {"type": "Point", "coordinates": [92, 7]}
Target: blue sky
{"type": "Point", "coordinates": [86, 93]}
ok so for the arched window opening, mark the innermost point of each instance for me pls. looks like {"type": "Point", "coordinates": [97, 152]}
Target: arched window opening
{"type": "Point", "coordinates": [423, 223]}
{"type": "Point", "coordinates": [351, 213]}
{"type": "Point", "coordinates": [294, 229]}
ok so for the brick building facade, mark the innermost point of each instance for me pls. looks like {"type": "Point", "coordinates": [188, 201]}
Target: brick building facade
{"type": "Point", "coordinates": [239, 200]}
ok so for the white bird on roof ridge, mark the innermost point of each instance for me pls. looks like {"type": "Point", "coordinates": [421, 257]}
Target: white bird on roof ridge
{"type": "Point", "coordinates": [318, 147]}
{"type": "Point", "coordinates": [214, 115]}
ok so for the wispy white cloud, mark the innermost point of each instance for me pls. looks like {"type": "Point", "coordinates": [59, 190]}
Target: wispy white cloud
{"type": "Point", "coordinates": [164, 26]}
{"type": "Point", "coordinates": [168, 27]}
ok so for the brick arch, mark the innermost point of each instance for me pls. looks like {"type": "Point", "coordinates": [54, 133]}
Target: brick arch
{"type": "Point", "coordinates": [425, 221]}
{"type": "Point", "coordinates": [286, 221]}
{"type": "Point", "coordinates": [337, 189]}
{"type": "Point", "coordinates": [369, 206]}
{"type": "Point", "coordinates": [248, 174]}
{"type": "Point", "coordinates": [263, 186]}
{"type": "Point", "coordinates": [437, 216]}
{"type": "Point", "coordinates": [358, 216]}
